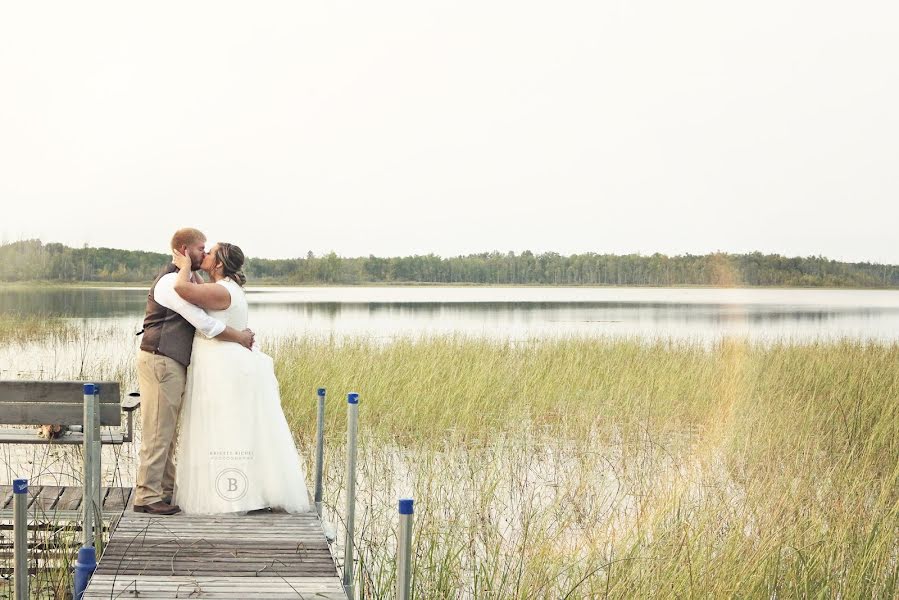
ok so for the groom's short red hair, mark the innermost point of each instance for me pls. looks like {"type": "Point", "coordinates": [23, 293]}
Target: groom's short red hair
{"type": "Point", "coordinates": [187, 237]}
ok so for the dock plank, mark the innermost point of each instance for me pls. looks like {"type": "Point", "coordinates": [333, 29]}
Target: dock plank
{"type": "Point", "coordinates": [117, 499]}
{"type": "Point", "coordinates": [268, 555]}
{"type": "Point", "coordinates": [47, 498]}
{"type": "Point", "coordinates": [34, 491]}
{"type": "Point", "coordinates": [219, 587]}
{"type": "Point", "coordinates": [64, 502]}
{"type": "Point", "coordinates": [70, 498]}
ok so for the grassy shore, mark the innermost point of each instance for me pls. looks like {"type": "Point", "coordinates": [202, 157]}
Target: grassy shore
{"type": "Point", "coordinates": [593, 468]}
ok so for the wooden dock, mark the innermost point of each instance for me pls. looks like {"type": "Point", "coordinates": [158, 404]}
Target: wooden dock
{"type": "Point", "coordinates": [267, 555]}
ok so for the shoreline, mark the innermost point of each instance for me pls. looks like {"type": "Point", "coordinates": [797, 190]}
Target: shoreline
{"type": "Point", "coordinates": [413, 284]}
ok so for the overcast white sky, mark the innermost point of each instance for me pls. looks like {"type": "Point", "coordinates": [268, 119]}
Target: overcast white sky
{"type": "Point", "coordinates": [394, 128]}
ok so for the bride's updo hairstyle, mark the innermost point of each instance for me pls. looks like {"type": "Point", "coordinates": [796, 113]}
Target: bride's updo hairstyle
{"type": "Point", "coordinates": [231, 258]}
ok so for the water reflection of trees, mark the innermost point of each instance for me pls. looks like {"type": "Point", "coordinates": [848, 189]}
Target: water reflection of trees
{"type": "Point", "coordinates": [73, 302]}
{"type": "Point", "coordinates": [542, 317]}
{"type": "Point", "coordinates": [706, 314]}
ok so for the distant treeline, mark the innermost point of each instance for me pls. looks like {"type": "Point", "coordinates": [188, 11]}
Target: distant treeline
{"type": "Point", "coordinates": [32, 260]}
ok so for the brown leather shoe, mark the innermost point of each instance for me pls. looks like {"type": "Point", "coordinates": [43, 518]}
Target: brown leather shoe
{"type": "Point", "coordinates": [157, 508]}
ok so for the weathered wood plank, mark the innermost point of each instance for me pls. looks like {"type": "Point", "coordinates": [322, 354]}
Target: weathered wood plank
{"type": "Point", "coordinates": [33, 492]}
{"type": "Point", "coordinates": [9, 435]}
{"type": "Point", "coordinates": [174, 525]}
{"type": "Point", "coordinates": [269, 555]}
{"type": "Point", "coordinates": [232, 552]}
{"type": "Point", "coordinates": [188, 520]}
{"type": "Point", "coordinates": [196, 548]}
{"type": "Point", "coordinates": [275, 516]}
{"type": "Point", "coordinates": [263, 571]}
{"type": "Point", "coordinates": [230, 519]}
{"type": "Point", "coordinates": [320, 566]}
{"type": "Point", "coordinates": [153, 540]}
{"type": "Point", "coordinates": [216, 535]}
{"type": "Point", "coordinates": [217, 583]}
{"type": "Point", "coordinates": [59, 392]}
{"type": "Point", "coordinates": [222, 587]}
{"type": "Point", "coordinates": [47, 499]}
{"type": "Point", "coordinates": [70, 498]}
{"type": "Point", "coordinates": [54, 498]}
{"type": "Point", "coordinates": [182, 560]}
{"type": "Point", "coordinates": [165, 563]}
{"type": "Point", "coordinates": [38, 413]}
{"type": "Point", "coordinates": [117, 499]}
{"type": "Point", "coordinates": [226, 521]}
{"type": "Point", "coordinates": [7, 496]}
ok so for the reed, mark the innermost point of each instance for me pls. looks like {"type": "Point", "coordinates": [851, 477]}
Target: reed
{"type": "Point", "coordinates": [602, 468]}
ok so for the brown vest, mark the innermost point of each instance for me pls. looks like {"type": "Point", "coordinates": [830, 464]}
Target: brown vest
{"type": "Point", "coordinates": [165, 331]}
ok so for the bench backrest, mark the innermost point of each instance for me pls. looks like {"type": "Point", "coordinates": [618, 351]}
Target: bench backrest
{"type": "Point", "coordinates": [55, 403]}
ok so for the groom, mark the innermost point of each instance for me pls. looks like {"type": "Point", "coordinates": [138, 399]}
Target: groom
{"type": "Point", "coordinates": [162, 362]}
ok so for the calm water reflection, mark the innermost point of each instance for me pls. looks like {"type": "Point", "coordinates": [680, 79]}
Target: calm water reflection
{"type": "Point", "coordinates": [515, 313]}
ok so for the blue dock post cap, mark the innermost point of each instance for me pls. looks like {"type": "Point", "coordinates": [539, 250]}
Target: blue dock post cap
{"type": "Point", "coordinates": [407, 506]}
{"type": "Point", "coordinates": [84, 568]}
{"type": "Point", "coordinates": [352, 398]}
{"type": "Point", "coordinates": [321, 392]}
{"type": "Point", "coordinates": [20, 486]}
{"type": "Point", "coordinates": [90, 389]}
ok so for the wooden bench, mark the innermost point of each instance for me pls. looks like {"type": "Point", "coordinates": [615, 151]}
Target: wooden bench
{"type": "Point", "coordinates": [62, 403]}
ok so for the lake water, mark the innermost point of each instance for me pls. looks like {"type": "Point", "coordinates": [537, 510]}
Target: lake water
{"type": "Point", "coordinates": [516, 313]}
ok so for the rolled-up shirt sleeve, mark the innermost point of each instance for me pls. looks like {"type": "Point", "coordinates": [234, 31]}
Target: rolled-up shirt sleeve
{"type": "Point", "coordinates": [165, 294]}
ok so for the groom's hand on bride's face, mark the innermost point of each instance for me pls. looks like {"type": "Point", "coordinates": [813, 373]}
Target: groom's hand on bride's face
{"type": "Point", "coordinates": [247, 337]}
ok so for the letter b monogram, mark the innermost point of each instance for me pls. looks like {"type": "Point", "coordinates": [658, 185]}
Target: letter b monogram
{"type": "Point", "coordinates": [231, 484]}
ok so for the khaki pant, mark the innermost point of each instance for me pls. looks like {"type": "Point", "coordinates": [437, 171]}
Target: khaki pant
{"type": "Point", "coordinates": [162, 382]}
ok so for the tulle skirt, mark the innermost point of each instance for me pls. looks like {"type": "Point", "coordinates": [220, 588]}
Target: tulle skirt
{"type": "Point", "coordinates": [235, 452]}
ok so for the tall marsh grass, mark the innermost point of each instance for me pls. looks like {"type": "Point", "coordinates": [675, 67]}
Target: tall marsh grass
{"type": "Point", "coordinates": [23, 328]}
{"type": "Point", "coordinates": [591, 468]}
{"type": "Point", "coordinates": [601, 468]}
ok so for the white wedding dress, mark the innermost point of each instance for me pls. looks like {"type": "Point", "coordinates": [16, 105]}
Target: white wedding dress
{"type": "Point", "coordinates": [235, 452]}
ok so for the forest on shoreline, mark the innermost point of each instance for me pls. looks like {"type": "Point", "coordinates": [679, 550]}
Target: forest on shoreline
{"type": "Point", "coordinates": [33, 260]}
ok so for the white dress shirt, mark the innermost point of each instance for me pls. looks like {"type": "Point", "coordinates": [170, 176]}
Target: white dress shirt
{"type": "Point", "coordinates": [164, 293]}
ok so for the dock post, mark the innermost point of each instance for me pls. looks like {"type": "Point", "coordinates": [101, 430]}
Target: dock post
{"type": "Point", "coordinates": [352, 428]}
{"type": "Point", "coordinates": [96, 463]}
{"type": "Point", "coordinates": [20, 535]}
{"type": "Point", "coordinates": [404, 550]}
{"type": "Point", "coordinates": [87, 527]}
{"type": "Point", "coordinates": [319, 451]}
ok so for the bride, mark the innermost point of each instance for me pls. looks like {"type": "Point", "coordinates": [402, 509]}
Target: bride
{"type": "Point", "coordinates": [235, 451]}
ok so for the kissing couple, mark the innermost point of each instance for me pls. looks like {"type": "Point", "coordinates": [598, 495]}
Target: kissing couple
{"type": "Point", "coordinates": [214, 439]}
